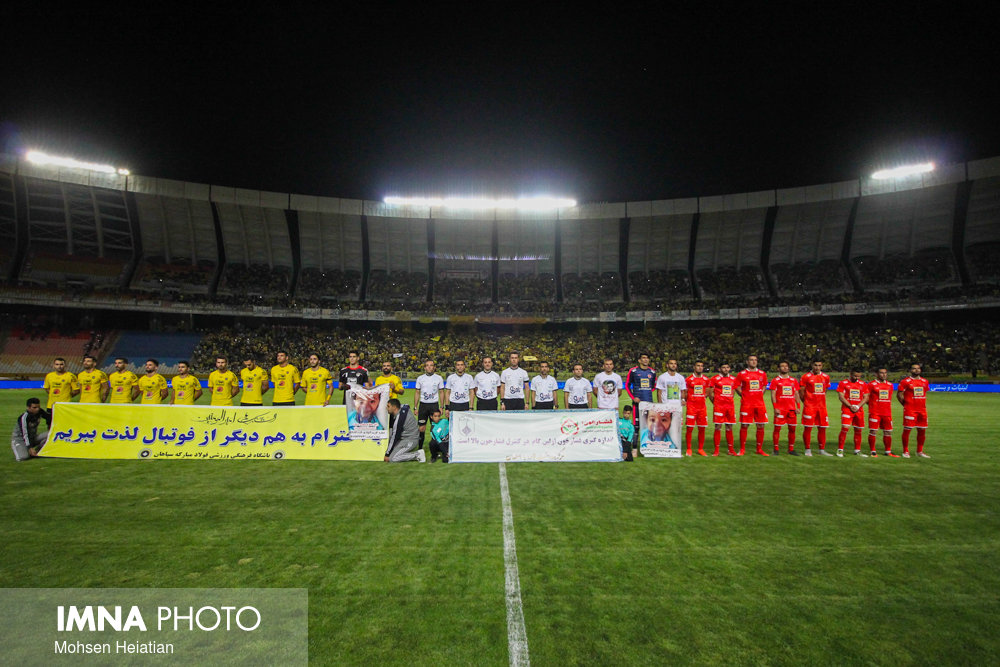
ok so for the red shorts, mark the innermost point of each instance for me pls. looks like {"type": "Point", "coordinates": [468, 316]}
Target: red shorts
{"type": "Point", "coordinates": [855, 419]}
{"type": "Point", "coordinates": [753, 414]}
{"type": "Point", "coordinates": [697, 418]}
{"type": "Point", "coordinates": [815, 415]}
{"type": "Point", "coordinates": [724, 415]}
{"type": "Point", "coordinates": [875, 422]}
{"type": "Point", "coordinates": [914, 419]}
{"type": "Point", "coordinates": [782, 417]}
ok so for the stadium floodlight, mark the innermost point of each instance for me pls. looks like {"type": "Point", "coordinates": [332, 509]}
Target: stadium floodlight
{"type": "Point", "coordinates": [472, 203]}
{"type": "Point", "coordinates": [38, 157]}
{"type": "Point", "coordinates": [906, 170]}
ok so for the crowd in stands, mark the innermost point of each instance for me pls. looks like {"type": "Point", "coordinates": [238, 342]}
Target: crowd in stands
{"type": "Point", "coordinates": [810, 277]}
{"type": "Point", "coordinates": [155, 272]}
{"type": "Point", "coordinates": [971, 347]}
{"type": "Point", "coordinates": [453, 289]}
{"type": "Point", "coordinates": [403, 286]}
{"type": "Point", "coordinates": [600, 287]}
{"type": "Point", "coordinates": [331, 283]}
{"type": "Point", "coordinates": [728, 280]}
{"type": "Point", "coordinates": [523, 288]}
{"type": "Point", "coordinates": [257, 279]}
{"type": "Point", "coordinates": [933, 267]}
{"type": "Point", "coordinates": [671, 286]}
{"type": "Point", "coordinates": [984, 261]}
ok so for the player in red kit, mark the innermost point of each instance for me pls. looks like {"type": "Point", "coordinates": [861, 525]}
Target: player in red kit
{"type": "Point", "coordinates": [751, 385]}
{"type": "Point", "coordinates": [813, 394]}
{"type": "Point", "coordinates": [722, 389]}
{"type": "Point", "coordinates": [698, 387]}
{"type": "Point", "coordinates": [785, 399]}
{"type": "Point", "coordinates": [880, 411]}
{"type": "Point", "coordinates": [912, 394]}
{"type": "Point", "coordinates": [853, 395]}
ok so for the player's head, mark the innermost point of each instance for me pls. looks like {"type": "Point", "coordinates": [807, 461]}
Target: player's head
{"type": "Point", "coordinates": [752, 361]}
{"type": "Point", "coordinates": [183, 367]}
{"type": "Point", "coordinates": [855, 375]}
{"type": "Point", "coordinates": [313, 360]}
{"type": "Point", "coordinates": [882, 374]}
{"type": "Point", "coordinates": [699, 367]}
{"type": "Point", "coordinates": [249, 362]}
{"type": "Point", "coordinates": [784, 367]}
{"type": "Point", "coordinates": [120, 363]}
{"type": "Point", "coordinates": [817, 367]}
{"type": "Point", "coordinates": [386, 368]}
{"type": "Point", "coordinates": [436, 416]}
{"type": "Point", "coordinates": [89, 363]}
{"type": "Point", "coordinates": [59, 364]}
{"type": "Point", "coordinates": [915, 370]}
{"type": "Point", "coordinates": [724, 368]}
{"type": "Point", "coordinates": [543, 368]}
{"type": "Point", "coordinates": [460, 366]}
{"type": "Point", "coordinates": [672, 365]}
{"type": "Point", "coordinates": [352, 357]}
{"type": "Point", "coordinates": [487, 364]}
{"type": "Point", "coordinates": [643, 360]}
{"type": "Point", "coordinates": [578, 371]}
{"type": "Point", "coordinates": [515, 359]}
{"type": "Point", "coordinates": [153, 364]}
{"type": "Point", "coordinates": [429, 366]}
{"type": "Point", "coordinates": [282, 357]}
{"type": "Point", "coordinates": [609, 364]}
{"type": "Point", "coordinates": [393, 406]}
{"type": "Point", "coordinates": [221, 363]}
{"type": "Point", "coordinates": [33, 405]}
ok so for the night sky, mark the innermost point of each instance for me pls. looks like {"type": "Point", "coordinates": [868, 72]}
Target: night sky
{"type": "Point", "coordinates": [634, 103]}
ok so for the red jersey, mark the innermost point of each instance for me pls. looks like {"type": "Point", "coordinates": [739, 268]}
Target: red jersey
{"type": "Point", "coordinates": [880, 398]}
{"type": "Point", "coordinates": [753, 384]}
{"type": "Point", "coordinates": [815, 385]}
{"type": "Point", "coordinates": [854, 392]}
{"type": "Point", "coordinates": [697, 388]}
{"type": "Point", "coordinates": [723, 390]}
{"type": "Point", "coordinates": [786, 391]}
{"type": "Point", "coordinates": [914, 393]}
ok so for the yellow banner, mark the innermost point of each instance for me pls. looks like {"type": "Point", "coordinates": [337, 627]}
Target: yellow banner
{"type": "Point", "coordinates": [104, 431]}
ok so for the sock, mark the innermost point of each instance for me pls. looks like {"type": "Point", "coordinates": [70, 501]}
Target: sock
{"type": "Point", "coordinates": [718, 439]}
{"type": "Point", "coordinates": [729, 438]}
{"type": "Point", "coordinates": [906, 441]}
{"type": "Point", "coordinates": [857, 439]}
{"type": "Point", "coordinates": [921, 437]}
{"type": "Point", "coordinates": [701, 438]}
{"type": "Point", "coordinates": [807, 433]}
{"type": "Point", "coordinates": [842, 439]}
{"type": "Point", "coordinates": [887, 442]}
{"type": "Point", "coordinates": [871, 440]}
{"type": "Point", "coordinates": [743, 437]}
{"type": "Point", "coordinates": [690, 430]}
{"type": "Point", "coordinates": [776, 436]}
{"type": "Point", "coordinates": [760, 439]}
{"type": "Point", "coordinates": [791, 438]}
{"type": "Point", "coordinates": [822, 438]}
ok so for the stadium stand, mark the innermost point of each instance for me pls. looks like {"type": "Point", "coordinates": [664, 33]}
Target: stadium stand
{"type": "Point", "coordinates": [590, 260]}
{"type": "Point", "coordinates": [526, 245]}
{"type": "Point", "coordinates": [982, 230]}
{"type": "Point", "coordinates": [399, 268]}
{"type": "Point", "coordinates": [179, 245]}
{"type": "Point", "coordinates": [257, 245]}
{"type": "Point", "coordinates": [331, 249]}
{"type": "Point", "coordinates": [727, 259]}
{"type": "Point", "coordinates": [8, 224]}
{"type": "Point", "coordinates": [29, 349]}
{"type": "Point", "coordinates": [658, 253]}
{"type": "Point", "coordinates": [806, 248]}
{"type": "Point", "coordinates": [167, 348]}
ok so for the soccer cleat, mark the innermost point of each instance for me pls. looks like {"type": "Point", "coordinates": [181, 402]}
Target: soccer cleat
{"type": "Point", "coordinates": [421, 456]}
{"type": "Point", "coordinates": [857, 452]}
{"type": "Point", "coordinates": [889, 453]}
{"type": "Point", "coordinates": [906, 455]}
{"type": "Point", "coordinates": [776, 451]}
{"type": "Point", "coordinates": [922, 455]}
{"type": "Point", "coordinates": [701, 452]}
{"type": "Point", "coordinates": [762, 452]}
{"type": "Point", "coordinates": [873, 454]}
{"type": "Point", "coordinates": [809, 452]}
{"type": "Point", "coordinates": [840, 453]}
{"type": "Point", "coordinates": [688, 453]}
{"type": "Point", "coordinates": [823, 452]}
{"type": "Point", "coordinates": [792, 452]}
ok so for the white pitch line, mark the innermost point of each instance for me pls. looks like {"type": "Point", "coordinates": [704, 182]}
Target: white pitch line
{"type": "Point", "coordinates": [517, 638]}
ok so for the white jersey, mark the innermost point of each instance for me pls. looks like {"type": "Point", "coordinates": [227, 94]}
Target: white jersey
{"type": "Point", "coordinates": [429, 386]}
{"type": "Point", "coordinates": [545, 388]}
{"type": "Point", "coordinates": [487, 385]}
{"type": "Point", "coordinates": [671, 386]}
{"type": "Point", "coordinates": [513, 380]}
{"type": "Point", "coordinates": [608, 386]}
{"type": "Point", "coordinates": [459, 386]}
{"type": "Point", "coordinates": [577, 390]}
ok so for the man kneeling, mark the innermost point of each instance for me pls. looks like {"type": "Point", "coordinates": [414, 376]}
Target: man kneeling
{"type": "Point", "coordinates": [404, 438]}
{"type": "Point", "coordinates": [27, 439]}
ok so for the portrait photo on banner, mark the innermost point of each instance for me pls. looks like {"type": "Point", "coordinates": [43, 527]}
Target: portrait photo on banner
{"type": "Point", "coordinates": [367, 412]}
{"type": "Point", "coordinates": [660, 429]}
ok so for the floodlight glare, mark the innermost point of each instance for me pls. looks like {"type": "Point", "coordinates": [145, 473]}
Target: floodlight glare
{"type": "Point", "coordinates": [39, 157]}
{"type": "Point", "coordinates": [907, 170]}
{"type": "Point", "coordinates": [471, 203]}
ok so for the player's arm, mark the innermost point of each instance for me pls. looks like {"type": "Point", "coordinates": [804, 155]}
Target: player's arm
{"type": "Point", "coordinates": [235, 386]}
{"type": "Point", "coordinates": [135, 390]}
{"type": "Point", "coordinates": [739, 388]}
{"type": "Point", "coordinates": [163, 390]}
{"type": "Point", "coordinates": [265, 384]}
{"type": "Point", "coordinates": [901, 395]}
{"type": "Point", "coordinates": [774, 394]}
{"type": "Point", "coordinates": [472, 397]}
{"type": "Point", "coordinates": [416, 394]}
{"type": "Point", "coordinates": [173, 393]}
{"type": "Point", "coordinates": [329, 391]}
{"type": "Point", "coordinates": [843, 400]}
{"type": "Point", "coordinates": [590, 399]}
{"type": "Point", "coordinates": [565, 398]}
{"type": "Point", "coordinates": [801, 393]}
{"type": "Point", "coordinates": [446, 393]}
{"type": "Point", "coordinates": [527, 392]}
{"type": "Point", "coordinates": [74, 387]}
{"type": "Point", "coordinates": [799, 403]}
{"type": "Point", "coordinates": [628, 385]}
{"type": "Point", "coordinates": [197, 389]}
{"type": "Point", "coordinates": [399, 387]}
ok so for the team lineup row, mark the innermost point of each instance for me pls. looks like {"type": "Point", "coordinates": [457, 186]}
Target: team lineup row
{"type": "Point", "coordinates": [512, 390]}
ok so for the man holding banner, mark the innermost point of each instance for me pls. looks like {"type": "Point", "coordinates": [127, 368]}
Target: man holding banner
{"type": "Point", "coordinates": [404, 444]}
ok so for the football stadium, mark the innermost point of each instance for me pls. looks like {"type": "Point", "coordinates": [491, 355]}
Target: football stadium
{"type": "Point", "coordinates": [727, 427]}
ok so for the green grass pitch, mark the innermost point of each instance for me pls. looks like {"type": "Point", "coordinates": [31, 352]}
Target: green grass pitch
{"type": "Point", "coordinates": [784, 560]}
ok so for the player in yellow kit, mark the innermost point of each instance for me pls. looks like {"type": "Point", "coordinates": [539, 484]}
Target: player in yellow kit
{"type": "Point", "coordinates": [60, 385]}
{"type": "Point", "coordinates": [286, 380]}
{"type": "Point", "coordinates": [317, 383]}
{"type": "Point", "coordinates": [391, 379]}
{"type": "Point", "coordinates": [222, 383]}
{"type": "Point", "coordinates": [255, 382]}
{"type": "Point", "coordinates": [187, 388]}
{"type": "Point", "coordinates": [93, 381]}
{"type": "Point", "coordinates": [123, 383]}
{"type": "Point", "coordinates": [152, 385]}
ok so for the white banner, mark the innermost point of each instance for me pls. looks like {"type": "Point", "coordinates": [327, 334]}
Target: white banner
{"type": "Point", "coordinates": [660, 429]}
{"type": "Point", "coordinates": [538, 435]}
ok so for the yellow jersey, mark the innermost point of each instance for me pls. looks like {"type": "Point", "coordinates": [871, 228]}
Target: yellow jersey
{"type": "Point", "coordinates": [121, 386]}
{"type": "Point", "coordinates": [151, 388]}
{"type": "Point", "coordinates": [185, 387]}
{"type": "Point", "coordinates": [60, 387]}
{"type": "Point", "coordinates": [222, 385]}
{"type": "Point", "coordinates": [254, 383]}
{"type": "Point", "coordinates": [285, 378]}
{"type": "Point", "coordinates": [394, 382]}
{"type": "Point", "coordinates": [91, 383]}
{"type": "Point", "coordinates": [316, 382]}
